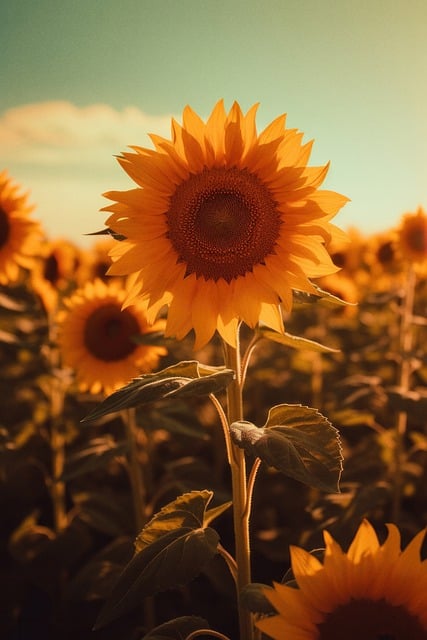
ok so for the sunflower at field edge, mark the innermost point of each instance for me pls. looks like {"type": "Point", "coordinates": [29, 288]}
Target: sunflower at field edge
{"type": "Point", "coordinates": [19, 235]}
{"type": "Point", "coordinates": [99, 340]}
{"type": "Point", "coordinates": [223, 224]}
{"type": "Point", "coordinates": [412, 237]}
{"type": "Point", "coordinates": [374, 591]}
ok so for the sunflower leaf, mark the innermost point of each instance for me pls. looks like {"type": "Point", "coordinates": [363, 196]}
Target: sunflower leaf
{"type": "Point", "coordinates": [298, 441]}
{"type": "Point", "coordinates": [296, 342]}
{"type": "Point", "coordinates": [187, 378]}
{"type": "Point", "coordinates": [171, 550]}
{"type": "Point", "coordinates": [187, 510]}
{"type": "Point", "coordinates": [98, 453]}
{"type": "Point", "coordinates": [323, 297]}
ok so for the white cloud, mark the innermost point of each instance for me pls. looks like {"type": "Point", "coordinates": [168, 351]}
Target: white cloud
{"type": "Point", "coordinates": [63, 155]}
{"type": "Point", "coordinates": [60, 133]}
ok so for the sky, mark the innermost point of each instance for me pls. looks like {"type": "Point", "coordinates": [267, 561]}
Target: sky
{"type": "Point", "coordinates": [80, 81]}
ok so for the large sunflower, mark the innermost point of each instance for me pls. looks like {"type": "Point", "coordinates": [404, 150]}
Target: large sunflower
{"type": "Point", "coordinates": [96, 337]}
{"type": "Point", "coordinates": [372, 592]}
{"type": "Point", "coordinates": [19, 235]}
{"type": "Point", "coordinates": [223, 224]}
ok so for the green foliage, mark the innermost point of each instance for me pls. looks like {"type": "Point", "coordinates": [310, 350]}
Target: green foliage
{"type": "Point", "coordinates": [170, 551]}
{"type": "Point", "coordinates": [182, 380]}
{"type": "Point", "coordinates": [295, 342]}
{"type": "Point", "coordinates": [298, 441]}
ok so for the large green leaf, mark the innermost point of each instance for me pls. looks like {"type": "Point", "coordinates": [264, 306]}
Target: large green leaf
{"type": "Point", "coordinates": [297, 440]}
{"type": "Point", "coordinates": [187, 510]}
{"type": "Point", "coordinates": [171, 550]}
{"type": "Point", "coordinates": [172, 560]}
{"type": "Point", "coordinates": [188, 378]}
{"type": "Point", "coordinates": [296, 342]}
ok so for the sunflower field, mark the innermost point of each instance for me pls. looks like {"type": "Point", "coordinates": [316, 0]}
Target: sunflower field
{"type": "Point", "coordinates": [213, 421]}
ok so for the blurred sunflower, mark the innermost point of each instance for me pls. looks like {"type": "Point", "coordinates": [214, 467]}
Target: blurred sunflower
{"type": "Point", "coordinates": [56, 271]}
{"type": "Point", "coordinates": [373, 592]}
{"type": "Point", "coordinates": [98, 339]}
{"type": "Point", "coordinates": [412, 236]}
{"type": "Point", "coordinates": [223, 224]}
{"type": "Point", "coordinates": [19, 235]}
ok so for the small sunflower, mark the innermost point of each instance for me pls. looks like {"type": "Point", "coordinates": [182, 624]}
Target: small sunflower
{"type": "Point", "coordinates": [223, 224]}
{"type": "Point", "coordinates": [374, 592]}
{"type": "Point", "coordinates": [412, 236]}
{"type": "Point", "coordinates": [96, 337]}
{"type": "Point", "coordinates": [56, 271]}
{"type": "Point", "coordinates": [19, 235]}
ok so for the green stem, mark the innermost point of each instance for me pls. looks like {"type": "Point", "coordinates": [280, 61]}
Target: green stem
{"type": "Point", "coordinates": [406, 340]}
{"type": "Point", "coordinates": [239, 490]}
{"type": "Point", "coordinates": [135, 470]}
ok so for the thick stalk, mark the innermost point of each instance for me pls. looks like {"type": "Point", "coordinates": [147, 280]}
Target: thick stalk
{"type": "Point", "coordinates": [406, 339]}
{"type": "Point", "coordinates": [239, 490]}
{"type": "Point", "coordinates": [135, 469]}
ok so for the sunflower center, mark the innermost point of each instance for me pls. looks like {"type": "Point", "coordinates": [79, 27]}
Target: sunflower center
{"type": "Point", "coordinates": [51, 269]}
{"type": "Point", "coordinates": [223, 222]}
{"type": "Point", "coordinates": [385, 253]}
{"type": "Point", "coordinates": [371, 620]}
{"type": "Point", "coordinates": [108, 333]}
{"type": "Point", "coordinates": [4, 227]}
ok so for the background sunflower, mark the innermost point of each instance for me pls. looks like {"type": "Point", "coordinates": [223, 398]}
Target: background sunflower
{"type": "Point", "coordinates": [99, 340]}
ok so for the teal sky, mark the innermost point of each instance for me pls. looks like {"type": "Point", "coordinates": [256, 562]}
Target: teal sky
{"type": "Point", "coordinates": [351, 75]}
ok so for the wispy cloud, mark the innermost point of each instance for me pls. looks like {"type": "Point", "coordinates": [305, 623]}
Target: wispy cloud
{"type": "Point", "coordinates": [53, 133]}
{"type": "Point", "coordinates": [63, 155]}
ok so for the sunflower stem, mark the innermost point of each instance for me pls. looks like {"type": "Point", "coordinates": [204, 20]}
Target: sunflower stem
{"type": "Point", "coordinates": [239, 490]}
{"type": "Point", "coordinates": [57, 438]}
{"type": "Point", "coordinates": [406, 340]}
{"type": "Point", "coordinates": [135, 470]}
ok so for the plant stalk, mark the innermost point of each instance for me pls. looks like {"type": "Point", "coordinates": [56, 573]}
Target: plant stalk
{"type": "Point", "coordinates": [406, 341]}
{"type": "Point", "coordinates": [239, 491]}
{"type": "Point", "coordinates": [135, 471]}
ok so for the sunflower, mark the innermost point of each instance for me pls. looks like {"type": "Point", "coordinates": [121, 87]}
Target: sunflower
{"type": "Point", "coordinates": [223, 223]}
{"type": "Point", "coordinates": [56, 271]}
{"type": "Point", "coordinates": [374, 592]}
{"type": "Point", "coordinates": [19, 235]}
{"type": "Point", "coordinates": [412, 236]}
{"type": "Point", "coordinates": [97, 338]}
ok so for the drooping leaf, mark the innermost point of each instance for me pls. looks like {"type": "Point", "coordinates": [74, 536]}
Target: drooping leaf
{"type": "Point", "coordinates": [97, 454]}
{"type": "Point", "coordinates": [321, 297]}
{"type": "Point", "coordinates": [296, 342]}
{"type": "Point", "coordinates": [298, 441]}
{"type": "Point", "coordinates": [177, 629]}
{"type": "Point", "coordinates": [187, 378]}
{"type": "Point", "coordinates": [172, 560]}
